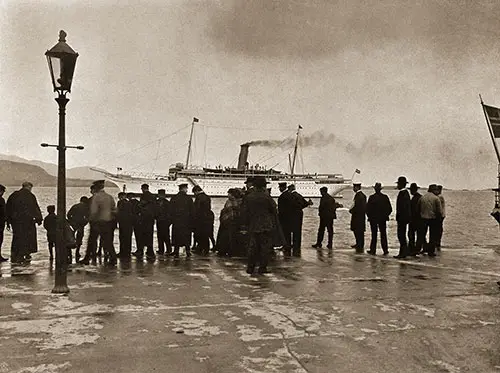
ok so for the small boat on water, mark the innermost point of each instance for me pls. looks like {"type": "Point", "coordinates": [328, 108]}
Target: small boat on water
{"type": "Point", "coordinates": [215, 182]}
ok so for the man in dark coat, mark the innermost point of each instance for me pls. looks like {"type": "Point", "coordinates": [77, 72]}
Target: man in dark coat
{"type": "Point", "coordinates": [78, 217]}
{"type": "Point", "coordinates": [259, 217]}
{"type": "Point", "coordinates": [147, 215]}
{"type": "Point", "coordinates": [125, 219]}
{"type": "Point", "coordinates": [202, 219]}
{"type": "Point", "coordinates": [135, 219]}
{"type": "Point", "coordinates": [163, 222]}
{"type": "Point", "coordinates": [3, 218]}
{"type": "Point", "coordinates": [358, 218]}
{"type": "Point", "coordinates": [415, 228]}
{"type": "Point", "coordinates": [23, 212]}
{"type": "Point", "coordinates": [284, 212]}
{"type": "Point", "coordinates": [327, 212]}
{"type": "Point", "coordinates": [403, 216]}
{"type": "Point", "coordinates": [378, 210]}
{"type": "Point", "coordinates": [93, 238]}
{"type": "Point", "coordinates": [182, 220]}
{"type": "Point", "coordinates": [298, 203]}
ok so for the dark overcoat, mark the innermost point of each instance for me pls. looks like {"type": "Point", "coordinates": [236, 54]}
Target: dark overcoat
{"type": "Point", "coordinates": [23, 212]}
{"type": "Point", "coordinates": [358, 212]}
{"type": "Point", "coordinates": [327, 207]}
{"type": "Point", "coordinates": [203, 219]}
{"type": "Point", "coordinates": [403, 207]}
{"type": "Point", "coordinates": [182, 209]}
{"type": "Point", "coordinates": [378, 207]}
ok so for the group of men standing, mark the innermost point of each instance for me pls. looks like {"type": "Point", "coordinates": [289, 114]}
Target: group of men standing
{"type": "Point", "coordinates": [415, 216]}
{"type": "Point", "coordinates": [137, 217]}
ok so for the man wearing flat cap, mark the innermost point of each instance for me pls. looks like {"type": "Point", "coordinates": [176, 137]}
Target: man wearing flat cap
{"type": "Point", "coordinates": [327, 212]}
{"type": "Point", "coordinates": [378, 210]}
{"type": "Point", "coordinates": [403, 216]}
{"type": "Point", "coordinates": [182, 208]}
{"type": "Point", "coordinates": [358, 217]}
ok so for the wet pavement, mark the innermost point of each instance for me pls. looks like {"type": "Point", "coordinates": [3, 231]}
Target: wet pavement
{"type": "Point", "coordinates": [325, 312]}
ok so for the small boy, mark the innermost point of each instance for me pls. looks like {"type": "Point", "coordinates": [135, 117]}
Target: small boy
{"type": "Point", "coordinates": [50, 224]}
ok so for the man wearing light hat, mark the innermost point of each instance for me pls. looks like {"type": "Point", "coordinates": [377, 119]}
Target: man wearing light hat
{"type": "Point", "coordinates": [358, 217]}
{"type": "Point", "coordinates": [378, 210]}
{"type": "Point", "coordinates": [403, 215]}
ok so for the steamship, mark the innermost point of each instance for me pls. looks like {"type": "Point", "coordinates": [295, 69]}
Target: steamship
{"type": "Point", "coordinates": [215, 182]}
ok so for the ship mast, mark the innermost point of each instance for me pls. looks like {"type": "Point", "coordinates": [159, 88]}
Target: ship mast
{"type": "Point", "coordinates": [195, 120]}
{"type": "Point", "coordinates": [295, 149]}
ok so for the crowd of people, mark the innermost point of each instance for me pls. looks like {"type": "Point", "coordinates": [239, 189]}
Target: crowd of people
{"type": "Point", "coordinates": [415, 216]}
{"type": "Point", "coordinates": [252, 224]}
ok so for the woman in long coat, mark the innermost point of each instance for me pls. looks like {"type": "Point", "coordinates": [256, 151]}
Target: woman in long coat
{"type": "Point", "coordinates": [23, 212]}
{"type": "Point", "coordinates": [229, 240]}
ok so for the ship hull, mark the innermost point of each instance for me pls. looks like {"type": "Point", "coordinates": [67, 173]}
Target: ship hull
{"type": "Point", "coordinates": [218, 187]}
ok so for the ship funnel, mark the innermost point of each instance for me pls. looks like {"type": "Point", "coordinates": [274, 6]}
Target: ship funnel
{"type": "Point", "coordinates": [242, 160]}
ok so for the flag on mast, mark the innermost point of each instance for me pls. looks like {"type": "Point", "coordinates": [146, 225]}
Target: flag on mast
{"type": "Point", "coordinates": [358, 171]}
{"type": "Point", "coordinates": [196, 120]}
{"type": "Point", "coordinates": [493, 114]}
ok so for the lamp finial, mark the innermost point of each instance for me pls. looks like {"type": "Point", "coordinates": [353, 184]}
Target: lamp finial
{"type": "Point", "coordinates": [62, 36]}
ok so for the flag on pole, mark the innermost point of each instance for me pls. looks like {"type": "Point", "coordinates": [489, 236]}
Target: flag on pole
{"type": "Point", "coordinates": [358, 171]}
{"type": "Point", "coordinates": [494, 118]}
{"type": "Point", "coordinates": [300, 127]}
{"type": "Point", "coordinates": [196, 120]}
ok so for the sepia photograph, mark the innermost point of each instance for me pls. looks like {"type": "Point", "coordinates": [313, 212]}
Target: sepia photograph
{"type": "Point", "coordinates": [249, 186]}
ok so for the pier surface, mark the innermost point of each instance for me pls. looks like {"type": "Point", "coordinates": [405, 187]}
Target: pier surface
{"type": "Point", "coordinates": [325, 312]}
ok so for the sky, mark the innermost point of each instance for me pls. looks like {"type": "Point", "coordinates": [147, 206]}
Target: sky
{"type": "Point", "coordinates": [390, 88]}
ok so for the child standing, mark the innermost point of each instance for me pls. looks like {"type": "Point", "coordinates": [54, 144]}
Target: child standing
{"type": "Point", "coordinates": [50, 224]}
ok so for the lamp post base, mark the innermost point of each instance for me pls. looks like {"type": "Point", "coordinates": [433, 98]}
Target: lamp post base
{"type": "Point", "coordinates": [60, 289]}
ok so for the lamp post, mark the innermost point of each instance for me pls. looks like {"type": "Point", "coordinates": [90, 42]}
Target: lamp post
{"type": "Point", "coordinates": [61, 59]}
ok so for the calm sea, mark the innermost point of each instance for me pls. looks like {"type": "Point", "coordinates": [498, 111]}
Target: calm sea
{"type": "Point", "coordinates": [467, 224]}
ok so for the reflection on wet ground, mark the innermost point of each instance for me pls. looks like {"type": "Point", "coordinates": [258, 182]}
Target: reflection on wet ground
{"type": "Point", "coordinates": [329, 311]}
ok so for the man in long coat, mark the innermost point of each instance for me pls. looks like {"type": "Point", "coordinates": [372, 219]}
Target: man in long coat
{"type": "Point", "coordinates": [403, 217]}
{"type": "Point", "coordinates": [147, 214]}
{"type": "Point", "coordinates": [3, 218]}
{"type": "Point", "coordinates": [202, 219]}
{"type": "Point", "coordinates": [358, 218]}
{"type": "Point", "coordinates": [378, 210]}
{"type": "Point", "coordinates": [23, 212]}
{"type": "Point", "coordinates": [182, 220]}
{"type": "Point", "coordinates": [298, 203]}
{"type": "Point", "coordinates": [416, 239]}
{"type": "Point", "coordinates": [259, 218]}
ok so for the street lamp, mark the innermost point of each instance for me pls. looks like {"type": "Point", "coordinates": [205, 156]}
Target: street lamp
{"type": "Point", "coordinates": [61, 59]}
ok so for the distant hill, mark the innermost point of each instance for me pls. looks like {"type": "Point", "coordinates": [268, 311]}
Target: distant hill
{"type": "Point", "coordinates": [15, 173]}
{"type": "Point", "coordinates": [84, 173]}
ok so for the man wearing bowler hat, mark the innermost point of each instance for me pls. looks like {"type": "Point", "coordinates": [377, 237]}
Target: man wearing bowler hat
{"type": "Point", "coordinates": [378, 210]}
{"type": "Point", "coordinates": [403, 215]}
{"type": "Point", "coordinates": [358, 217]}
